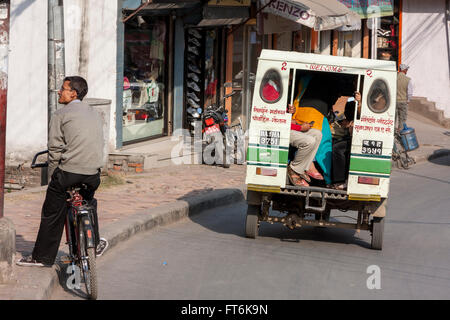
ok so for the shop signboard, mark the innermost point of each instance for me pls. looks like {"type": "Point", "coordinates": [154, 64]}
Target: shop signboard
{"type": "Point", "coordinates": [231, 3]}
{"type": "Point", "coordinates": [370, 8]}
{"type": "Point", "coordinates": [320, 15]}
{"type": "Point", "coordinates": [291, 10]}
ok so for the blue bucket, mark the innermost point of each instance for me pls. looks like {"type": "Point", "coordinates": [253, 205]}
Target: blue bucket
{"type": "Point", "coordinates": [409, 138]}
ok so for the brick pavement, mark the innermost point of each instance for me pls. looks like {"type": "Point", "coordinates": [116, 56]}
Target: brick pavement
{"type": "Point", "coordinates": [140, 191]}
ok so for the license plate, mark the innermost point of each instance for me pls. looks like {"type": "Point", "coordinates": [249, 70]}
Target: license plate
{"type": "Point", "coordinates": [213, 129]}
{"type": "Point", "coordinates": [372, 147]}
{"type": "Point", "coordinates": [267, 137]}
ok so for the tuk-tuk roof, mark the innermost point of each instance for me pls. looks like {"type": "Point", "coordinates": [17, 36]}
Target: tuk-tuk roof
{"type": "Point", "coordinates": [298, 57]}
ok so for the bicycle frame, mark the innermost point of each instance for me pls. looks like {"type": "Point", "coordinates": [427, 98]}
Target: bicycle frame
{"type": "Point", "coordinates": [78, 216]}
{"type": "Point", "coordinates": [79, 233]}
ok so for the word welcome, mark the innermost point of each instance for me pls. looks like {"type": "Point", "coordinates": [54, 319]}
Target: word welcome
{"type": "Point", "coordinates": [321, 67]}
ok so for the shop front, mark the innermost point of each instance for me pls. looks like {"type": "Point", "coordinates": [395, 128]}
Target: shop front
{"type": "Point", "coordinates": [210, 55]}
{"type": "Point", "coordinates": [174, 65]}
{"type": "Point", "coordinates": [150, 88]}
{"type": "Point", "coordinates": [145, 82]}
{"type": "Point", "coordinates": [380, 34]}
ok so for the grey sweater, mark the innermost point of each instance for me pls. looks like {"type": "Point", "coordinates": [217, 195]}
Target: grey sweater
{"type": "Point", "coordinates": [75, 141]}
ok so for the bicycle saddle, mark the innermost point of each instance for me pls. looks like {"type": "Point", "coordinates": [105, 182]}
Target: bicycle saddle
{"type": "Point", "coordinates": [77, 187]}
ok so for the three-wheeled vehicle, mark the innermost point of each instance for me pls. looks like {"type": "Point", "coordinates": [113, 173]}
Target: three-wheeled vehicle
{"type": "Point", "coordinates": [371, 144]}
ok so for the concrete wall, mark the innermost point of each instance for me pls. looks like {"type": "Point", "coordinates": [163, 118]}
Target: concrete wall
{"type": "Point", "coordinates": [26, 131]}
{"type": "Point", "coordinates": [91, 49]}
{"type": "Point", "coordinates": [425, 50]}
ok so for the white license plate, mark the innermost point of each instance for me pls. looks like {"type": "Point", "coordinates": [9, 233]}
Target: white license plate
{"type": "Point", "coordinates": [212, 129]}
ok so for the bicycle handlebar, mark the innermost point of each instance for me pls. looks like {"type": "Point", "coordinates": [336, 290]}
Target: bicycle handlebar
{"type": "Point", "coordinates": [39, 165]}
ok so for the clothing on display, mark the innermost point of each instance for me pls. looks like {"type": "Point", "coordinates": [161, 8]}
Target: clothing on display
{"type": "Point", "coordinates": [145, 51]}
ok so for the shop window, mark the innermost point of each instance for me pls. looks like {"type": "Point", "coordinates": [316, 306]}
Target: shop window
{"type": "Point", "coordinates": [346, 43]}
{"type": "Point", "coordinates": [302, 40]}
{"type": "Point", "coordinates": [387, 36]}
{"type": "Point", "coordinates": [145, 59]}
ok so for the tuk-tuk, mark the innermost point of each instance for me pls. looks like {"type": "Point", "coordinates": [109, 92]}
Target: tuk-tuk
{"type": "Point", "coordinates": [371, 144]}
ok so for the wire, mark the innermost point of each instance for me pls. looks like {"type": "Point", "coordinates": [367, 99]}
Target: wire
{"type": "Point", "coordinates": [142, 6]}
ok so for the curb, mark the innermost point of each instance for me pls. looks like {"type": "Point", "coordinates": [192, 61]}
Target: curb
{"type": "Point", "coordinates": [433, 156]}
{"type": "Point", "coordinates": [46, 279]}
{"type": "Point", "coordinates": [438, 154]}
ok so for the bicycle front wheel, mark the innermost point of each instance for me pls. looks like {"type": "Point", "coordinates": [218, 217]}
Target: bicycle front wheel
{"type": "Point", "coordinates": [89, 269]}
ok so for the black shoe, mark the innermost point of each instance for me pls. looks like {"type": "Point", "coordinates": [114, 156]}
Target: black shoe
{"type": "Point", "coordinates": [30, 262]}
{"type": "Point", "coordinates": [194, 77]}
{"type": "Point", "coordinates": [101, 247]}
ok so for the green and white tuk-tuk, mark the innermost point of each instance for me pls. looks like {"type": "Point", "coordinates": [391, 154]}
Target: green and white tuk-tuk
{"type": "Point", "coordinates": [371, 144]}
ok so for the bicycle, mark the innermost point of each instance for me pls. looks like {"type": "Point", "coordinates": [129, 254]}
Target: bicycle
{"type": "Point", "coordinates": [80, 235]}
{"type": "Point", "coordinates": [399, 154]}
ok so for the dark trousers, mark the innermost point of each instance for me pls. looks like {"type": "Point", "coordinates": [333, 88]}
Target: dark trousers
{"type": "Point", "coordinates": [341, 159]}
{"type": "Point", "coordinates": [54, 212]}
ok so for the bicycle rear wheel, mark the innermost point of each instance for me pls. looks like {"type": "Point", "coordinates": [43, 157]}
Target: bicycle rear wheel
{"type": "Point", "coordinates": [88, 268]}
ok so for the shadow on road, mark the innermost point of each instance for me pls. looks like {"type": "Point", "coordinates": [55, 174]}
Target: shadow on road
{"type": "Point", "coordinates": [319, 234]}
{"type": "Point", "coordinates": [231, 218]}
{"type": "Point", "coordinates": [65, 277]}
{"type": "Point", "coordinates": [440, 157]}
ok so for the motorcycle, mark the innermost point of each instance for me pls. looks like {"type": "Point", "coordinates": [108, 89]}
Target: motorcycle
{"type": "Point", "coordinates": [217, 135]}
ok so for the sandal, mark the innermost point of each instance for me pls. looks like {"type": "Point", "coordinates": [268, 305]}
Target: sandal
{"type": "Point", "coordinates": [296, 179]}
{"type": "Point", "coordinates": [339, 186]}
{"type": "Point", "coordinates": [305, 177]}
{"type": "Point", "coordinates": [315, 175]}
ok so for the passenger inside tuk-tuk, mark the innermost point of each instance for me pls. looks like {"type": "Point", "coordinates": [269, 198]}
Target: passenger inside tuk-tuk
{"type": "Point", "coordinates": [342, 130]}
{"type": "Point", "coordinates": [310, 130]}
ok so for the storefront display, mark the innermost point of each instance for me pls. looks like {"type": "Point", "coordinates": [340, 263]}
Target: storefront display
{"type": "Point", "coordinates": [193, 76]}
{"type": "Point", "coordinates": [387, 38]}
{"type": "Point", "coordinates": [144, 78]}
{"type": "Point", "coordinates": [200, 72]}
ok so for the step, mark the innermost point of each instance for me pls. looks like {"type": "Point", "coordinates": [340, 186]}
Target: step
{"type": "Point", "coordinates": [428, 109]}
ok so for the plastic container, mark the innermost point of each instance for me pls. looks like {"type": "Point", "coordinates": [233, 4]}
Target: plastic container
{"type": "Point", "coordinates": [409, 138]}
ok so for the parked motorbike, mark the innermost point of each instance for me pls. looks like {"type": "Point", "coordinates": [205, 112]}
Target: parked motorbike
{"type": "Point", "coordinates": [216, 134]}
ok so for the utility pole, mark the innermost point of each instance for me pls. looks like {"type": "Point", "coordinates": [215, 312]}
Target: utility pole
{"type": "Point", "coordinates": [4, 47]}
{"type": "Point", "coordinates": [56, 66]}
{"type": "Point", "coordinates": [7, 230]}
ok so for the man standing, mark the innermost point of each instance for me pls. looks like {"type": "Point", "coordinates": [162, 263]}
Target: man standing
{"type": "Point", "coordinates": [75, 149]}
{"type": "Point", "coordinates": [404, 94]}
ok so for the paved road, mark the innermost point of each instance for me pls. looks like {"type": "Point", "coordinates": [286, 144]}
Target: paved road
{"type": "Point", "coordinates": [208, 257]}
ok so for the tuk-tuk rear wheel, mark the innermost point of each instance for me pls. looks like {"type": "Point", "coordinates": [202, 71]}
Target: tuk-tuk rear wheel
{"type": "Point", "coordinates": [377, 233]}
{"type": "Point", "coordinates": [252, 221]}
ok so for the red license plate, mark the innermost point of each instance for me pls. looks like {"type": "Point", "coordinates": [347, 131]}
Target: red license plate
{"type": "Point", "coordinates": [212, 129]}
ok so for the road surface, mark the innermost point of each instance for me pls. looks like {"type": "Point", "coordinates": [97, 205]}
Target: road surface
{"type": "Point", "coordinates": [208, 257]}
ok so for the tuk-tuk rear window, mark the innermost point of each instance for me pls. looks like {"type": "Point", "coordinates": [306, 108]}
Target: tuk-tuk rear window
{"type": "Point", "coordinates": [378, 98]}
{"type": "Point", "coordinates": [271, 89]}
